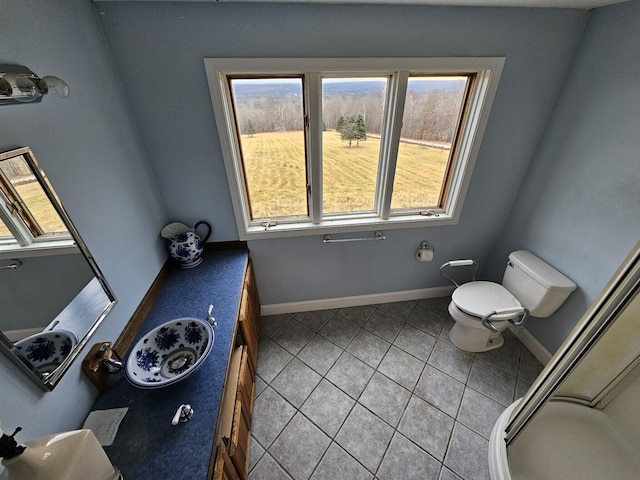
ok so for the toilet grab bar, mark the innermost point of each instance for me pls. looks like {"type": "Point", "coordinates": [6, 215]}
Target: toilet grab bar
{"type": "Point", "coordinates": [459, 263]}
{"type": "Point", "coordinates": [489, 325]}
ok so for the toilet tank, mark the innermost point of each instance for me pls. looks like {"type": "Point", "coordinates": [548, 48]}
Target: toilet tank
{"type": "Point", "coordinates": [540, 288]}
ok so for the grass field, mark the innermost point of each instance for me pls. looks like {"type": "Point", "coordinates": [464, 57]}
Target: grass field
{"type": "Point", "coordinates": [41, 208]}
{"type": "Point", "coordinates": [276, 174]}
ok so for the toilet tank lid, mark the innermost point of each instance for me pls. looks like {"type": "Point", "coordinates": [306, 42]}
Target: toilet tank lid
{"type": "Point", "coordinates": [544, 273]}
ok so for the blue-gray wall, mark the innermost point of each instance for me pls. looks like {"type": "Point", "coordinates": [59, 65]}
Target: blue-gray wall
{"type": "Point", "coordinates": [580, 203]}
{"type": "Point", "coordinates": [158, 50]}
{"type": "Point", "coordinates": [33, 295]}
{"type": "Point", "coordinates": [89, 148]}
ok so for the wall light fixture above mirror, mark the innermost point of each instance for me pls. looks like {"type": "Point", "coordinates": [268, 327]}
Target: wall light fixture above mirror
{"type": "Point", "coordinates": [18, 84]}
{"type": "Point", "coordinates": [53, 294]}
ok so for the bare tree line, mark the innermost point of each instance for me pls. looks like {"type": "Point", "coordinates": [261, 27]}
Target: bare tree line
{"type": "Point", "coordinates": [428, 116]}
{"type": "Point", "coordinates": [432, 116]}
{"type": "Point", "coordinates": [15, 168]}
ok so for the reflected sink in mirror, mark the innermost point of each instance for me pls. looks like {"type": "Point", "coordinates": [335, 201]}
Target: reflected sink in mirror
{"type": "Point", "coordinates": [44, 352]}
{"type": "Point", "coordinates": [169, 353]}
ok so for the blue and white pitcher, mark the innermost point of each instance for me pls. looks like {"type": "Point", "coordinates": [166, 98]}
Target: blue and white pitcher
{"type": "Point", "coordinates": [185, 246]}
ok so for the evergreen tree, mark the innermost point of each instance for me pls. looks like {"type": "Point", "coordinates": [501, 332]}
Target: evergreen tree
{"type": "Point", "coordinates": [361, 129]}
{"type": "Point", "coordinates": [352, 128]}
{"type": "Point", "coordinates": [348, 131]}
{"type": "Point", "coordinates": [249, 129]}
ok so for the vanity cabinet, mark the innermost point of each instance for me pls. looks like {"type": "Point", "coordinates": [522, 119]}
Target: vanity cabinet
{"type": "Point", "coordinates": [214, 443]}
{"type": "Point", "coordinates": [233, 435]}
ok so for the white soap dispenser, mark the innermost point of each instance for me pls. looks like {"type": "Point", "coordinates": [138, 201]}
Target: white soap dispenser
{"type": "Point", "coordinates": [75, 455]}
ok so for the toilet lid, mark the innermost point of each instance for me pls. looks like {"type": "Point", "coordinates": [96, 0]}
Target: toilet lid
{"type": "Point", "coordinates": [480, 298]}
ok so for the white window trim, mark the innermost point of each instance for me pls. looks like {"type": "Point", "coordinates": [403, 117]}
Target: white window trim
{"type": "Point", "coordinates": [488, 70]}
{"type": "Point", "coordinates": [40, 249]}
{"type": "Point", "coordinates": [24, 244]}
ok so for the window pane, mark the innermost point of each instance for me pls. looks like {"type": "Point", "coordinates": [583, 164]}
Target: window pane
{"type": "Point", "coordinates": [430, 123]}
{"type": "Point", "coordinates": [31, 202]}
{"type": "Point", "coordinates": [4, 231]}
{"type": "Point", "coordinates": [270, 124]}
{"type": "Point", "coordinates": [352, 111]}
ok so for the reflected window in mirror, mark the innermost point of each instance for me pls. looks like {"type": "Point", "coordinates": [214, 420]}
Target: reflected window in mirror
{"type": "Point", "coordinates": [27, 214]}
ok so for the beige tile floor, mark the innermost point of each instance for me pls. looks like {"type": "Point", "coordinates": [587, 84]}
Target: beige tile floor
{"type": "Point", "coordinates": [378, 392]}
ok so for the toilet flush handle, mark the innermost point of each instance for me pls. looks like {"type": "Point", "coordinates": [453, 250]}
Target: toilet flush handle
{"type": "Point", "coordinates": [486, 323]}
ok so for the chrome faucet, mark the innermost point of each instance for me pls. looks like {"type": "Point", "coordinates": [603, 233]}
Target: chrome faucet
{"type": "Point", "coordinates": [183, 414]}
{"type": "Point", "coordinates": [113, 364]}
{"type": "Point", "coordinates": [210, 318]}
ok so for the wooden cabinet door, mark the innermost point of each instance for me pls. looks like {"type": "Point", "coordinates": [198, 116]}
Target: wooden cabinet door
{"type": "Point", "coordinates": [250, 315]}
{"type": "Point", "coordinates": [240, 439]}
{"type": "Point", "coordinates": [246, 383]}
{"type": "Point", "coordinates": [233, 454]}
{"type": "Point", "coordinates": [224, 468]}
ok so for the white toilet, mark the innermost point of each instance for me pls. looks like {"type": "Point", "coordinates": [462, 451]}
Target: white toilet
{"type": "Point", "coordinates": [482, 310]}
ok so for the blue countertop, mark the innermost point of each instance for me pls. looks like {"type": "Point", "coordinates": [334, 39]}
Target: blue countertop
{"type": "Point", "coordinates": [147, 446]}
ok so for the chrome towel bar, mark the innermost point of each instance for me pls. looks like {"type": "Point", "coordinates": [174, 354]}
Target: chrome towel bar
{"type": "Point", "coordinates": [377, 235]}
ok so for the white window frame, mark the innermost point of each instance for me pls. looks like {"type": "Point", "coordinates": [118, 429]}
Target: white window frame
{"type": "Point", "coordinates": [23, 243]}
{"type": "Point", "coordinates": [486, 69]}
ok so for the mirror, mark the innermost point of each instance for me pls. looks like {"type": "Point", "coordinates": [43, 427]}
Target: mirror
{"type": "Point", "coordinates": [52, 292]}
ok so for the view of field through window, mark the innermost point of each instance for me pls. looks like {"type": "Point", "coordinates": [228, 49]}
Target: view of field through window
{"type": "Point", "coordinates": [44, 220]}
{"type": "Point", "coordinates": [270, 122]}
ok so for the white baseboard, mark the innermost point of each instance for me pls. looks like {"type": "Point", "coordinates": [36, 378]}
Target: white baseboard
{"type": "Point", "coordinates": [527, 339]}
{"type": "Point", "coordinates": [354, 301]}
{"type": "Point", "coordinates": [535, 347]}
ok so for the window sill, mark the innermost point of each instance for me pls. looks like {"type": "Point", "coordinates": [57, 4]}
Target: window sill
{"type": "Point", "coordinates": [345, 226]}
{"type": "Point", "coordinates": [38, 249]}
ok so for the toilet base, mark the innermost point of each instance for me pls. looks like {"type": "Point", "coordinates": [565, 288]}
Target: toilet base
{"type": "Point", "coordinates": [474, 340]}
{"type": "Point", "coordinates": [470, 335]}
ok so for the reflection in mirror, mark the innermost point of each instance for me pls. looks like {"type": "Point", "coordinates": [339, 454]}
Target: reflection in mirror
{"type": "Point", "coordinates": [52, 293]}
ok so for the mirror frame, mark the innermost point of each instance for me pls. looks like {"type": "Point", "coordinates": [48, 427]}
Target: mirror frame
{"type": "Point", "coordinates": [49, 382]}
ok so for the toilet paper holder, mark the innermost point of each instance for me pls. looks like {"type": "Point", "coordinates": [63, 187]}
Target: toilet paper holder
{"type": "Point", "coordinates": [425, 252]}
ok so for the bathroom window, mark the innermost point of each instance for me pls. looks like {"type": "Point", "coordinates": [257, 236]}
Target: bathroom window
{"type": "Point", "coordinates": [27, 216]}
{"type": "Point", "coordinates": [349, 144]}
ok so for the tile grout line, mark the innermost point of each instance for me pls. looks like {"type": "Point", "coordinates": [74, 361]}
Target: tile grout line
{"type": "Point", "coordinates": [356, 401]}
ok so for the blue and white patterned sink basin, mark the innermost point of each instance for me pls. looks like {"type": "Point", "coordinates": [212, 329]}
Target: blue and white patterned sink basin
{"type": "Point", "coordinates": [44, 352]}
{"type": "Point", "coordinates": [169, 353]}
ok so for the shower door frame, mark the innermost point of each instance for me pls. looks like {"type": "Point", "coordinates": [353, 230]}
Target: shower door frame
{"type": "Point", "coordinates": [602, 313]}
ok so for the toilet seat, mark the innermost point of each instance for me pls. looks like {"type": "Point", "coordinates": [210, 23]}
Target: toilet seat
{"type": "Point", "coordinates": [479, 298]}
